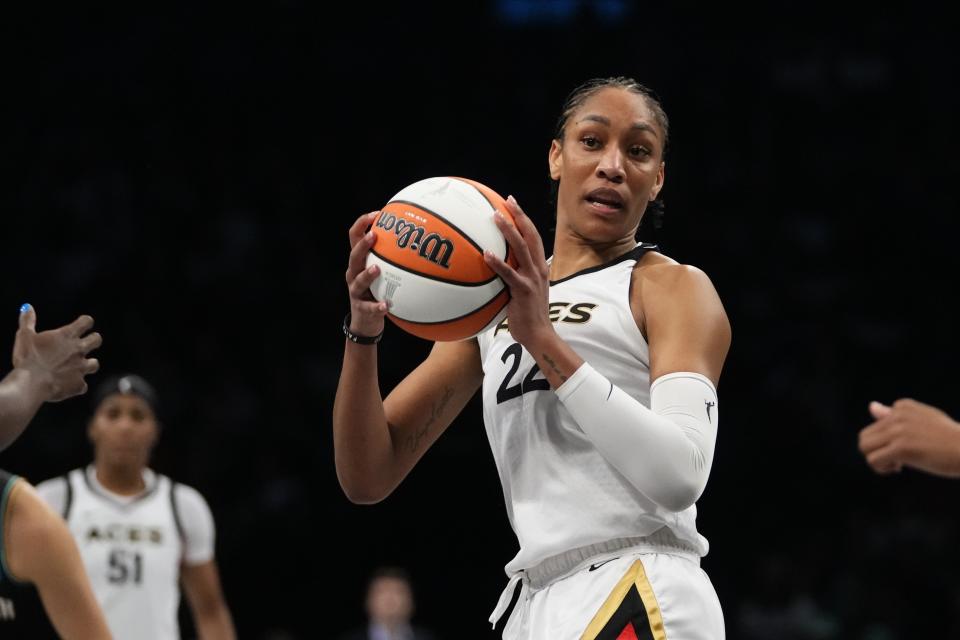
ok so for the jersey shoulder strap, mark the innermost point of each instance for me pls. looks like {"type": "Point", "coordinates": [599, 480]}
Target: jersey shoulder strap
{"type": "Point", "coordinates": [175, 509]}
{"type": "Point", "coordinates": [68, 498]}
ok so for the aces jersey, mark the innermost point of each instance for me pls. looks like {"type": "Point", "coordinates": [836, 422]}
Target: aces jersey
{"type": "Point", "coordinates": [560, 492]}
{"type": "Point", "coordinates": [133, 546]}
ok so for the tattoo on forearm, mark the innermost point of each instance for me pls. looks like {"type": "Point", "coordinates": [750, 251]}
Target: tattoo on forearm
{"type": "Point", "coordinates": [412, 443]}
{"type": "Point", "coordinates": [556, 369]}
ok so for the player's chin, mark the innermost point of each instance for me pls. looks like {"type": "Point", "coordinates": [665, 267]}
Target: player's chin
{"type": "Point", "coordinates": [605, 231]}
{"type": "Point", "coordinates": [128, 458]}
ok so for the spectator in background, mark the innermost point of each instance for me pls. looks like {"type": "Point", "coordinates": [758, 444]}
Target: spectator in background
{"type": "Point", "coordinates": [390, 607]}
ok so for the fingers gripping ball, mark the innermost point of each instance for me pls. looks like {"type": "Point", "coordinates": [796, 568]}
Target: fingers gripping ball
{"type": "Point", "coordinates": [430, 242]}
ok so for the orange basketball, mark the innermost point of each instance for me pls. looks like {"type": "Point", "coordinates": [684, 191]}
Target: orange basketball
{"type": "Point", "coordinates": [430, 242]}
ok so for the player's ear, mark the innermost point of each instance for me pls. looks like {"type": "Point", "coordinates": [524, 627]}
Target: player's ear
{"type": "Point", "coordinates": [555, 159]}
{"type": "Point", "coordinates": [658, 184]}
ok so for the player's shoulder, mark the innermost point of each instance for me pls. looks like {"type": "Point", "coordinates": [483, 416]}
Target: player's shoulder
{"type": "Point", "coordinates": [30, 512]}
{"type": "Point", "coordinates": [187, 498]}
{"type": "Point", "coordinates": [659, 270]}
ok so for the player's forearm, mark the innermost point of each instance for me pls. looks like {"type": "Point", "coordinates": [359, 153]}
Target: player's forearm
{"type": "Point", "coordinates": [556, 359]}
{"type": "Point", "coordinates": [216, 624]}
{"type": "Point", "coordinates": [363, 448]}
{"type": "Point", "coordinates": [665, 451]}
{"type": "Point", "coordinates": [21, 395]}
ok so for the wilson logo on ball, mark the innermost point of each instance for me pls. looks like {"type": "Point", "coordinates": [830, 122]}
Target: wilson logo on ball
{"type": "Point", "coordinates": [433, 247]}
{"type": "Point", "coordinates": [429, 245]}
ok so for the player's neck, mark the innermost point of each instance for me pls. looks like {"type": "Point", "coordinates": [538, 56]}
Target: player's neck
{"type": "Point", "coordinates": [573, 253]}
{"type": "Point", "coordinates": [124, 481]}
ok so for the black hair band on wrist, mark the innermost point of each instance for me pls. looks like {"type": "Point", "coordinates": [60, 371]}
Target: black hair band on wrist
{"type": "Point", "coordinates": [358, 339]}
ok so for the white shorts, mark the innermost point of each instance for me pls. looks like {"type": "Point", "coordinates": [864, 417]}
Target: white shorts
{"type": "Point", "coordinates": [628, 595]}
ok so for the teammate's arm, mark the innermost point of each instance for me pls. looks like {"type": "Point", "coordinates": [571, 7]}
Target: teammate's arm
{"type": "Point", "coordinates": [211, 616]}
{"type": "Point", "coordinates": [377, 442]}
{"type": "Point", "coordinates": [40, 550]}
{"type": "Point", "coordinates": [47, 367]}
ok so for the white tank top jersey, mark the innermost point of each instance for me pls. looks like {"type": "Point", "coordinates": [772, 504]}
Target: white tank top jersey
{"type": "Point", "coordinates": [560, 492]}
{"type": "Point", "coordinates": [133, 546]}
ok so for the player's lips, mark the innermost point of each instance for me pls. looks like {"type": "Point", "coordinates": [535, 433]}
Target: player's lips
{"type": "Point", "coordinates": [605, 199]}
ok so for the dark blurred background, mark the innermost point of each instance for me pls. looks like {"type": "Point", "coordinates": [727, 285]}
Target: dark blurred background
{"type": "Point", "coordinates": [187, 176]}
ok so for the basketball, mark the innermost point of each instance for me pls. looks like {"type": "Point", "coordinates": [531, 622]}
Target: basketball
{"type": "Point", "coordinates": [430, 240]}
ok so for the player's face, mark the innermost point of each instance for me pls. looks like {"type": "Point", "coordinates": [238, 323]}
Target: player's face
{"type": "Point", "coordinates": [390, 600]}
{"type": "Point", "coordinates": [124, 430]}
{"type": "Point", "coordinates": [609, 164]}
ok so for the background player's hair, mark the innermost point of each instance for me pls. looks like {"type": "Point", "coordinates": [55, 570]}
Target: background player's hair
{"type": "Point", "coordinates": [127, 383]}
{"type": "Point", "coordinates": [584, 92]}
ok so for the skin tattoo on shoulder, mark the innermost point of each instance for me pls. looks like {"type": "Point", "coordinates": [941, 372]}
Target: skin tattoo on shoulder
{"type": "Point", "coordinates": [412, 443]}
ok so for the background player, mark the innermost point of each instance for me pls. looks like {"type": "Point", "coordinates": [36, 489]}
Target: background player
{"type": "Point", "coordinates": [139, 532]}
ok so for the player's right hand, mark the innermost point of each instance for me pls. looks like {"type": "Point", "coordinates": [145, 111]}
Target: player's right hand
{"type": "Point", "coordinates": [56, 359]}
{"type": "Point", "coordinates": [366, 313]}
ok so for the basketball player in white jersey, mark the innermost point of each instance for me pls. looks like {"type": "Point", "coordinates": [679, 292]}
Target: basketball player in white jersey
{"type": "Point", "coordinates": [140, 533]}
{"type": "Point", "coordinates": [599, 393]}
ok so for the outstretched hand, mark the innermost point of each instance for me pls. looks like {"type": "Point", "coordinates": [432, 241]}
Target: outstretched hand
{"type": "Point", "coordinates": [529, 282]}
{"type": "Point", "coordinates": [56, 360]}
{"type": "Point", "coordinates": [912, 434]}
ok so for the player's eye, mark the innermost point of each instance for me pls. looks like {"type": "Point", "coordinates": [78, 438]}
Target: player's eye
{"type": "Point", "coordinates": [590, 142]}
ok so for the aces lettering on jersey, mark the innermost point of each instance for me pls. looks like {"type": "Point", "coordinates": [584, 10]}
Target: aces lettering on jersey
{"type": "Point", "coordinates": [125, 533]}
{"type": "Point", "coordinates": [125, 565]}
{"type": "Point", "coordinates": [514, 386]}
{"type": "Point", "coordinates": [565, 312]}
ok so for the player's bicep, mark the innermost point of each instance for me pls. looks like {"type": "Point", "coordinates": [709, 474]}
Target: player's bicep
{"type": "Point", "coordinates": [687, 327]}
{"type": "Point", "coordinates": [199, 530]}
{"type": "Point", "coordinates": [424, 404]}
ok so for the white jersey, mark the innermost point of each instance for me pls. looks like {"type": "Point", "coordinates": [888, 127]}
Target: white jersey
{"type": "Point", "coordinates": [133, 546]}
{"type": "Point", "coordinates": [561, 493]}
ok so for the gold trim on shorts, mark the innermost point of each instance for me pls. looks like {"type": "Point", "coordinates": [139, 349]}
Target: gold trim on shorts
{"type": "Point", "coordinates": [629, 603]}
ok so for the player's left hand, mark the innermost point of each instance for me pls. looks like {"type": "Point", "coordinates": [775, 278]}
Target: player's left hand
{"type": "Point", "coordinates": [528, 310]}
{"type": "Point", "coordinates": [912, 434]}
